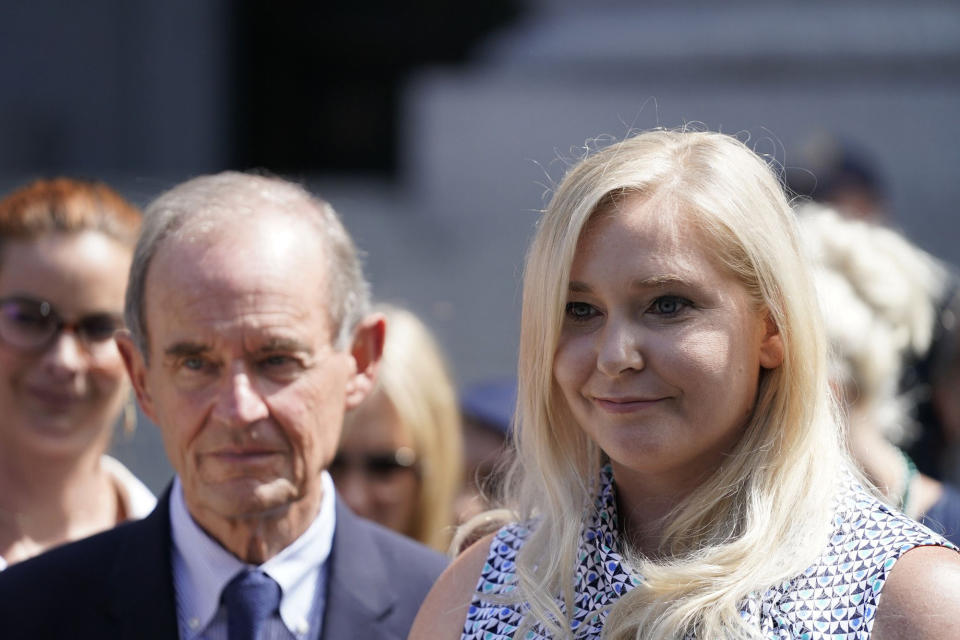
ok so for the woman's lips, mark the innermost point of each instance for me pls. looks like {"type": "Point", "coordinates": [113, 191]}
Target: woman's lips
{"type": "Point", "coordinates": [624, 404]}
{"type": "Point", "coordinates": [54, 398]}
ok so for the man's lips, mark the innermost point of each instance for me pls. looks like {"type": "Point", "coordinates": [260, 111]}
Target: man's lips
{"type": "Point", "coordinates": [243, 455]}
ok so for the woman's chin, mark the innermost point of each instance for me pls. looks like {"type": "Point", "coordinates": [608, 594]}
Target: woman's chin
{"type": "Point", "coordinates": [56, 437]}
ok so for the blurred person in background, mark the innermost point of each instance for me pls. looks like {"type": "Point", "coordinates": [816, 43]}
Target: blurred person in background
{"type": "Point", "coordinates": [879, 293]}
{"type": "Point", "coordinates": [400, 458]}
{"type": "Point", "coordinates": [936, 374]}
{"type": "Point", "coordinates": [65, 249]}
{"type": "Point", "coordinates": [840, 174]}
{"type": "Point", "coordinates": [487, 409]}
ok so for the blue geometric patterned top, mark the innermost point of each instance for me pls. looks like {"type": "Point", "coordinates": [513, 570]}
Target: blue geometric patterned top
{"type": "Point", "coordinates": [834, 599]}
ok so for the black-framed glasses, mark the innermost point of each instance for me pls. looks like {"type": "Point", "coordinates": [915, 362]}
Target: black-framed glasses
{"type": "Point", "coordinates": [379, 466]}
{"type": "Point", "coordinates": [32, 324]}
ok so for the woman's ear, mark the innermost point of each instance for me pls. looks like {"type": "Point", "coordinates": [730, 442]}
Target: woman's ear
{"type": "Point", "coordinates": [771, 347]}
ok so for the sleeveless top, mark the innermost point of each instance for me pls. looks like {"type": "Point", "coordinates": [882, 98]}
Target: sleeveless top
{"type": "Point", "coordinates": [835, 598]}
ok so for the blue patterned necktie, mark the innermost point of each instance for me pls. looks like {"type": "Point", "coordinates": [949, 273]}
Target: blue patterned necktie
{"type": "Point", "coordinates": [251, 597]}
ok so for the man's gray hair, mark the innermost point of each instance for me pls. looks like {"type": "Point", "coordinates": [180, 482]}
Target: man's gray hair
{"type": "Point", "coordinates": [198, 207]}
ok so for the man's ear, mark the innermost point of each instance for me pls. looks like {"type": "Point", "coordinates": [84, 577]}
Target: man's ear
{"type": "Point", "coordinates": [366, 350]}
{"type": "Point", "coordinates": [136, 366]}
{"type": "Point", "coordinates": [771, 347]}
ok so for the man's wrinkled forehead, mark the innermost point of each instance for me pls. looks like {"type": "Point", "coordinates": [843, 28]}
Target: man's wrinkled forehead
{"type": "Point", "coordinates": [237, 262]}
{"type": "Point", "coordinates": [208, 240]}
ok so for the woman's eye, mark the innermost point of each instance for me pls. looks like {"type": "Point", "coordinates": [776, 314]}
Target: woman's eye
{"type": "Point", "coordinates": [669, 305]}
{"type": "Point", "coordinates": [580, 311]}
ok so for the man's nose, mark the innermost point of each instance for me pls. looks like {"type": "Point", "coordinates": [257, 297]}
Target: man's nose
{"type": "Point", "coordinates": [620, 349]}
{"type": "Point", "coordinates": [239, 401]}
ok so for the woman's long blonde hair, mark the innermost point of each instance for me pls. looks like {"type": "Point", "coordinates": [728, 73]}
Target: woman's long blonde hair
{"type": "Point", "coordinates": [764, 515]}
{"type": "Point", "coordinates": [415, 379]}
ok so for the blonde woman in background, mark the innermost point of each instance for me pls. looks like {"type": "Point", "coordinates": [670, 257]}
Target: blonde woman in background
{"type": "Point", "coordinates": [880, 295]}
{"type": "Point", "coordinates": [400, 460]}
{"type": "Point", "coordinates": [65, 249]}
{"type": "Point", "coordinates": [681, 470]}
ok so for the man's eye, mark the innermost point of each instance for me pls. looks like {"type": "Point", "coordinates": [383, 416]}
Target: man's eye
{"type": "Point", "coordinates": [282, 362]}
{"type": "Point", "coordinates": [193, 363]}
{"type": "Point", "coordinates": [669, 305]}
{"type": "Point", "coordinates": [579, 311]}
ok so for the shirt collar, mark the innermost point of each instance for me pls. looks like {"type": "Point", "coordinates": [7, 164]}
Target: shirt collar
{"type": "Point", "coordinates": [206, 567]}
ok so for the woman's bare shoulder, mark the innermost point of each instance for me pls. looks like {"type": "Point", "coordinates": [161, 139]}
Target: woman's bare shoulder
{"type": "Point", "coordinates": [444, 610]}
{"type": "Point", "coordinates": [921, 597]}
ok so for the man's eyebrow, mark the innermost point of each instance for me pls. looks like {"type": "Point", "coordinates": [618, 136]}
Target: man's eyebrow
{"type": "Point", "coordinates": [283, 344]}
{"type": "Point", "coordinates": [180, 349]}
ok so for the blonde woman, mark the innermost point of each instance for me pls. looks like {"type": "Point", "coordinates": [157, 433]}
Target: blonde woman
{"type": "Point", "coordinates": [680, 469]}
{"type": "Point", "coordinates": [888, 291]}
{"type": "Point", "coordinates": [400, 458]}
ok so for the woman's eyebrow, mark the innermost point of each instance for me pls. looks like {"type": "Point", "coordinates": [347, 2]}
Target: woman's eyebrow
{"type": "Point", "coordinates": [659, 281]}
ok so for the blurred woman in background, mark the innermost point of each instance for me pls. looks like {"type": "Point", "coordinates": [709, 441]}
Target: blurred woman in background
{"type": "Point", "coordinates": [400, 460]}
{"type": "Point", "coordinates": [880, 295]}
{"type": "Point", "coordinates": [65, 249]}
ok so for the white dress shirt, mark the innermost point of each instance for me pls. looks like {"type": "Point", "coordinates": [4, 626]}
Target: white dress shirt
{"type": "Point", "coordinates": [202, 568]}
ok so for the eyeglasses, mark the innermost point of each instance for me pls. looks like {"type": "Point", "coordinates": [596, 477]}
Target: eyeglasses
{"type": "Point", "coordinates": [377, 466]}
{"type": "Point", "coordinates": [33, 325]}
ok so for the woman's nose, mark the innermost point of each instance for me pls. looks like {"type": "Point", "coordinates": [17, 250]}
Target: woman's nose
{"type": "Point", "coordinates": [65, 355]}
{"type": "Point", "coordinates": [619, 349]}
{"type": "Point", "coordinates": [352, 485]}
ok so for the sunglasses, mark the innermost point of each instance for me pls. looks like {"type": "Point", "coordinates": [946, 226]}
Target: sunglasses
{"type": "Point", "coordinates": [33, 325]}
{"type": "Point", "coordinates": [377, 466]}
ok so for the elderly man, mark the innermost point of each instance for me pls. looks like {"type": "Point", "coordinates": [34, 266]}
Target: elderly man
{"type": "Point", "coordinates": [249, 337]}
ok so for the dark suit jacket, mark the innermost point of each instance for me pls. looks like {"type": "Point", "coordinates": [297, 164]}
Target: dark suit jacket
{"type": "Point", "coordinates": [119, 584]}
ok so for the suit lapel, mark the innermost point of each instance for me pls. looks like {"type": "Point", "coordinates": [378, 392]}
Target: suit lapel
{"type": "Point", "coordinates": [360, 594]}
{"type": "Point", "coordinates": [142, 600]}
